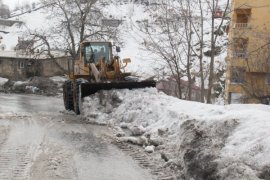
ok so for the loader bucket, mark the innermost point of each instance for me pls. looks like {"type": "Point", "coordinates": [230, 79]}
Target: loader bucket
{"type": "Point", "coordinates": [91, 88]}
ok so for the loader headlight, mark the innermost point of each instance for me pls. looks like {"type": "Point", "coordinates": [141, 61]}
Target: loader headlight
{"type": "Point", "coordinates": [127, 60]}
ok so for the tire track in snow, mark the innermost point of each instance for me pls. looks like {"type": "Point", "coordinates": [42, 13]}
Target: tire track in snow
{"type": "Point", "coordinates": [14, 162]}
{"type": "Point", "coordinates": [18, 151]}
{"type": "Point", "coordinates": [143, 160]}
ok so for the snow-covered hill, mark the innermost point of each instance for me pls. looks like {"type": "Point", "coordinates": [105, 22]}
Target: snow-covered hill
{"type": "Point", "coordinates": [33, 18]}
{"type": "Point", "coordinates": [205, 141]}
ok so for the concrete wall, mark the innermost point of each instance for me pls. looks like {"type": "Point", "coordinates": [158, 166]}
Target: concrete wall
{"type": "Point", "coordinates": [52, 68]}
{"type": "Point", "coordinates": [23, 68]}
{"type": "Point", "coordinates": [10, 68]}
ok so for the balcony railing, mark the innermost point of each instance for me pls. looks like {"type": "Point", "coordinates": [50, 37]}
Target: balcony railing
{"type": "Point", "coordinates": [240, 54]}
{"type": "Point", "coordinates": [241, 25]}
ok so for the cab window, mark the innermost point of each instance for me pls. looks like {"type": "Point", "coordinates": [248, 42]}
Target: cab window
{"type": "Point", "coordinates": [97, 51]}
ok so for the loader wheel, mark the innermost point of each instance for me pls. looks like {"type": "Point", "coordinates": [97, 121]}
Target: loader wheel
{"type": "Point", "coordinates": [77, 99]}
{"type": "Point", "coordinates": [68, 96]}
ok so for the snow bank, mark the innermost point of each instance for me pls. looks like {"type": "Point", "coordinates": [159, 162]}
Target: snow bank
{"type": "Point", "coordinates": [59, 80]}
{"type": "Point", "coordinates": [35, 85]}
{"type": "Point", "coordinates": [3, 81]}
{"type": "Point", "coordinates": [207, 141]}
{"type": "Point", "coordinates": [20, 83]}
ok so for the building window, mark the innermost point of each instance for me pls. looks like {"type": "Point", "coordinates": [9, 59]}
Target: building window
{"type": "Point", "coordinates": [237, 75]}
{"type": "Point", "coordinates": [242, 18]}
{"type": "Point", "coordinates": [240, 48]}
{"type": "Point", "coordinates": [21, 64]}
{"type": "Point", "coordinates": [236, 98]}
{"type": "Point", "coordinates": [268, 79]}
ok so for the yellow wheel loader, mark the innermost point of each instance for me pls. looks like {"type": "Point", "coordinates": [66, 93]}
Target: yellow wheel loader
{"type": "Point", "coordinates": [97, 69]}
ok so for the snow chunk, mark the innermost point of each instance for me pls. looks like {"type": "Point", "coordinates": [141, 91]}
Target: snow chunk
{"type": "Point", "coordinates": [134, 140]}
{"type": "Point", "coordinates": [19, 83]}
{"type": "Point", "coordinates": [137, 131]}
{"type": "Point", "coordinates": [33, 89]}
{"type": "Point", "coordinates": [150, 149]}
{"type": "Point", "coordinates": [58, 79]}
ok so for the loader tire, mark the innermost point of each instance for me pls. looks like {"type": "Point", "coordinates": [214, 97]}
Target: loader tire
{"type": "Point", "coordinates": [68, 96]}
{"type": "Point", "coordinates": [77, 99]}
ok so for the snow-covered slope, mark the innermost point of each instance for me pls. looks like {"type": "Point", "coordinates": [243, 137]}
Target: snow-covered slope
{"type": "Point", "coordinates": [219, 142]}
{"type": "Point", "coordinates": [143, 62]}
{"type": "Point", "coordinates": [35, 19]}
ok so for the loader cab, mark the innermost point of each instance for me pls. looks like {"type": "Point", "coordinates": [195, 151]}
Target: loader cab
{"type": "Point", "coordinates": [93, 52]}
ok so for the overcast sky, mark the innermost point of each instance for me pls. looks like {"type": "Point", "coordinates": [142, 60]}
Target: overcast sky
{"type": "Point", "coordinates": [12, 3]}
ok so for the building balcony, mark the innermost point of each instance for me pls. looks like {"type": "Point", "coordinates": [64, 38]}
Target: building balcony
{"type": "Point", "coordinates": [237, 59]}
{"type": "Point", "coordinates": [255, 66]}
{"type": "Point", "coordinates": [241, 30]}
{"type": "Point", "coordinates": [241, 25]}
{"type": "Point", "coordinates": [240, 54]}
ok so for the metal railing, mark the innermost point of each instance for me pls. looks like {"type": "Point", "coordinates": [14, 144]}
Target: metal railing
{"type": "Point", "coordinates": [241, 25]}
{"type": "Point", "coordinates": [240, 54]}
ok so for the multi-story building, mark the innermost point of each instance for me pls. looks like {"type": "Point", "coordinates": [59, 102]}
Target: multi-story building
{"type": "Point", "coordinates": [248, 60]}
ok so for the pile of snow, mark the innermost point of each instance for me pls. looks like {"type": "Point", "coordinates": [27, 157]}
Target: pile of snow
{"type": "Point", "coordinates": [205, 141]}
{"type": "Point", "coordinates": [34, 85]}
{"type": "Point", "coordinates": [32, 89]}
{"type": "Point", "coordinates": [59, 80]}
{"type": "Point", "coordinates": [3, 81]}
{"type": "Point", "coordinates": [19, 83]}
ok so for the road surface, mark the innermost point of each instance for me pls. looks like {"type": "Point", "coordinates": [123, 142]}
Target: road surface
{"type": "Point", "coordinates": [39, 142]}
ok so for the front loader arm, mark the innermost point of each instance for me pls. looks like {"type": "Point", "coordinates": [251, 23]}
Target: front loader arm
{"type": "Point", "coordinates": [95, 72]}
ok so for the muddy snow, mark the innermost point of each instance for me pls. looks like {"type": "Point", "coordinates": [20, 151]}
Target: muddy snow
{"type": "Point", "coordinates": [198, 141]}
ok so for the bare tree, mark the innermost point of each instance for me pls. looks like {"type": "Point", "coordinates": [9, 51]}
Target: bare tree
{"type": "Point", "coordinates": [162, 38]}
{"type": "Point", "coordinates": [213, 6]}
{"type": "Point", "coordinates": [75, 21]}
{"type": "Point", "coordinates": [175, 34]}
